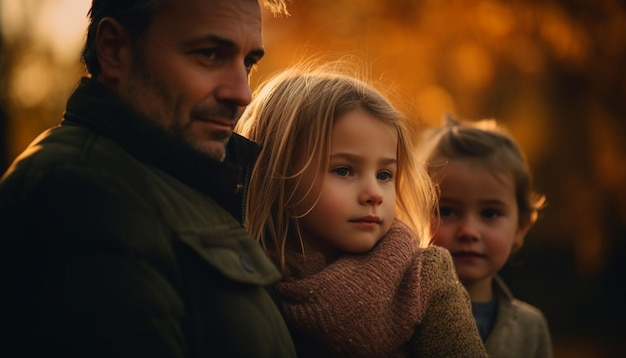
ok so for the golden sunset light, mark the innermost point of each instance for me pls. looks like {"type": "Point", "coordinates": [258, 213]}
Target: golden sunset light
{"type": "Point", "coordinates": [552, 72]}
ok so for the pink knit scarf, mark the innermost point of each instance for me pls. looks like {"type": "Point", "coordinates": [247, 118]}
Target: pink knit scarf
{"type": "Point", "coordinates": [363, 305]}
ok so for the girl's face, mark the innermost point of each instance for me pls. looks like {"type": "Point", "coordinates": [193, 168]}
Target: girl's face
{"type": "Point", "coordinates": [479, 219]}
{"type": "Point", "coordinates": [357, 195]}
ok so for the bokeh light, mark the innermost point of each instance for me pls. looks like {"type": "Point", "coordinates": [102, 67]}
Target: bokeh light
{"type": "Point", "coordinates": [551, 71]}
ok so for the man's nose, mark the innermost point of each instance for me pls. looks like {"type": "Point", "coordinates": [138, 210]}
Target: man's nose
{"type": "Point", "coordinates": [234, 86]}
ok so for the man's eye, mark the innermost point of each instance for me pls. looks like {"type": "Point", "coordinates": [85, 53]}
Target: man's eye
{"type": "Point", "coordinates": [250, 63]}
{"type": "Point", "coordinates": [342, 171]}
{"type": "Point", "coordinates": [209, 53]}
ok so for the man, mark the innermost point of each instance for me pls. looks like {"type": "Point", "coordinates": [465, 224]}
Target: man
{"type": "Point", "coordinates": [122, 227]}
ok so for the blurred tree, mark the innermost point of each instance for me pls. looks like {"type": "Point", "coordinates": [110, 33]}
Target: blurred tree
{"type": "Point", "coordinates": [41, 40]}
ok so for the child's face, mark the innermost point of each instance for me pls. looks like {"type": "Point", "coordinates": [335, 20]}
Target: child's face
{"type": "Point", "coordinates": [357, 191]}
{"type": "Point", "coordinates": [479, 219]}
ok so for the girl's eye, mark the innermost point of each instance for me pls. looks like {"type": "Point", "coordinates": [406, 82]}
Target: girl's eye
{"type": "Point", "coordinates": [491, 213]}
{"type": "Point", "coordinates": [444, 211]}
{"type": "Point", "coordinates": [342, 171]}
{"type": "Point", "coordinates": [384, 176]}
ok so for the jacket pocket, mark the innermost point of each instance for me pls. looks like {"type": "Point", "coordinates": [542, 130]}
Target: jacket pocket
{"type": "Point", "coordinates": [232, 252]}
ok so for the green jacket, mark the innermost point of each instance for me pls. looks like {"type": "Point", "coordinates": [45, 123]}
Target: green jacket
{"type": "Point", "coordinates": [119, 244]}
{"type": "Point", "coordinates": [521, 330]}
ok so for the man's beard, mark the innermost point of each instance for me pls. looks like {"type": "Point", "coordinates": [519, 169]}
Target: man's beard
{"type": "Point", "coordinates": [151, 99]}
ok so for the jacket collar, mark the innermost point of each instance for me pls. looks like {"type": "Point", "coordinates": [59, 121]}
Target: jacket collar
{"type": "Point", "coordinates": [501, 289]}
{"type": "Point", "coordinates": [94, 106]}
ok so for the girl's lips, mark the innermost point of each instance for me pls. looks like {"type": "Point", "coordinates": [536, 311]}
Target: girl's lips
{"type": "Point", "coordinates": [467, 254]}
{"type": "Point", "coordinates": [367, 219]}
{"type": "Point", "coordinates": [367, 223]}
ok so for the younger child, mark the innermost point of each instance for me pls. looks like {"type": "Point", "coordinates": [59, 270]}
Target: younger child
{"type": "Point", "coordinates": [331, 184]}
{"type": "Point", "coordinates": [486, 207]}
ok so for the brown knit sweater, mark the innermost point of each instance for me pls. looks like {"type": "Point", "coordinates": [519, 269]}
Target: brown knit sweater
{"type": "Point", "coordinates": [395, 301]}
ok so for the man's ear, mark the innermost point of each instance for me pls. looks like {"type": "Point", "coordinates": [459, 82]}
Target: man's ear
{"type": "Point", "coordinates": [114, 50]}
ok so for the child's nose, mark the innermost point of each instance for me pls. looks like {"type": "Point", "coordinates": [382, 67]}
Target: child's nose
{"type": "Point", "coordinates": [468, 229]}
{"type": "Point", "coordinates": [371, 193]}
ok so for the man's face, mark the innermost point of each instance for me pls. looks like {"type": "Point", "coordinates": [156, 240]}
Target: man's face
{"type": "Point", "coordinates": [190, 74]}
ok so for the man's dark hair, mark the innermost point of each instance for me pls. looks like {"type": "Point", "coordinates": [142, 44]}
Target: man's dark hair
{"type": "Point", "coordinates": [134, 15]}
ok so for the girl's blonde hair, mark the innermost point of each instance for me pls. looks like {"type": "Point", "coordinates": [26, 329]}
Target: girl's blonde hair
{"type": "Point", "coordinates": [292, 117]}
{"type": "Point", "coordinates": [488, 144]}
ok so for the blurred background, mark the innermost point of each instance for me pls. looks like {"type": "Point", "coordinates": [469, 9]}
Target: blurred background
{"type": "Point", "coordinates": [552, 71]}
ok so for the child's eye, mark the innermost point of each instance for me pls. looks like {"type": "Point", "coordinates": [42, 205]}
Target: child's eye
{"type": "Point", "coordinates": [342, 171]}
{"type": "Point", "coordinates": [445, 211]}
{"type": "Point", "coordinates": [491, 213]}
{"type": "Point", "coordinates": [384, 176]}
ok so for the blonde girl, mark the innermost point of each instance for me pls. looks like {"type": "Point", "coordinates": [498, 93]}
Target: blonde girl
{"type": "Point", "coordinates": [338, 203]}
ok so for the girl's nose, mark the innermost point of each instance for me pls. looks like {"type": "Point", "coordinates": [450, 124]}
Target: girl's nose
{"type": "Point", "coordinates": [371, 193]}
{"type": "Point", "coordinates": [468, 229]}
